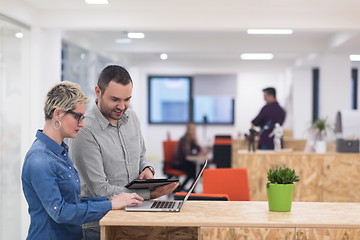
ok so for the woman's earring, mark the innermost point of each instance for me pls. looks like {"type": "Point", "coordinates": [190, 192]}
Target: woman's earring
{"type": "Point", "coordinates": [57, 125]}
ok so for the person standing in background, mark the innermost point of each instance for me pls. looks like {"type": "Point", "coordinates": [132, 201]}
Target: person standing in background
{"type": "Point", "coordinates": [268, 116]}
{"type": "Point", "coordinates": [50, 182]}
{"type": "Point", "coordinates": [109, 152]}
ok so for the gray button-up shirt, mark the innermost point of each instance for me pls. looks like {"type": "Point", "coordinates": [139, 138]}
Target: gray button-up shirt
{"type": "Point", "coordinates": [108, 157]}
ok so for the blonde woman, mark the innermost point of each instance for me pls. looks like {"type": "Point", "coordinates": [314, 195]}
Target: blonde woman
{"type": "Point", "coordinates": [51, 184]}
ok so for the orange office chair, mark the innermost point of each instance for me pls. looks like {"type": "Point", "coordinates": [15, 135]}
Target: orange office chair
{"type": "Point", "coordinates": [201, 196]}
{"type": "Point", "coordinates": [169, 148]}
{"type": "Point", "coordinates": [230, 181]}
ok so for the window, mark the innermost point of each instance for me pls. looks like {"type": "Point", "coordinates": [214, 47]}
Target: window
{"type": "Point", "coordinates": [169, 99]}
{"type": "Point", "coordinates": [215, 109]}
{"type": "Point", "coordinates": [173, 99]}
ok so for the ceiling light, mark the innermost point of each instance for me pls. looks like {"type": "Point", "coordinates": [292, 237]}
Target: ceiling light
{"type": "Point", "coordinates": [19, 34]}
{"type": "Point", "coordinates": [270, 31]}
{"type": "Point", "coordinates": [354, 57]}
{"type": "Point", "coordinates": [163, 56]}
{"type": "Point", "coordinates": [97, 1]}
{"type": "Point", "coordinates": [257, 56]}
{"type": "Point", "coordinates": [123, 40]}
{"type": "Point", "coordinates": [135, 35]}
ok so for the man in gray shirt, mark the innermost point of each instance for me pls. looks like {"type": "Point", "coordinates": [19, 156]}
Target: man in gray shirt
{"type": "Point", "coordinates": [109, 151]}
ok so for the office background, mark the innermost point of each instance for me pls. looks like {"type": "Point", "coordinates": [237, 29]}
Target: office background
{"type": "Point", "coordinates": [31, 64]}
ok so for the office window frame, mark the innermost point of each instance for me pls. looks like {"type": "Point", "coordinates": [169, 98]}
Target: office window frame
{"type": "Point", "coordinates": [354, 84]}
{"type": "Point", "coordinates": [315, 93]}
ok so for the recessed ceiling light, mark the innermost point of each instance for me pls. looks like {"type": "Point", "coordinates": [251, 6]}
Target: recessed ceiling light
{"type": "Point", "coordinates": [163, 56]}
{"type": "Point", "coordinates": [123, 40]}
{"type": "Point", "coordinates": [354, 57]}
{"type": "Point", "coordinates": [270, 31]}
{"type": "Point", "coordinates": [257, 56]}
{"type": "Point", "coordinates": [135, 35]}
{"type": "Point", "coordinates": [19, 34]}
{"type": "Point", "coordinates": [97, 1]}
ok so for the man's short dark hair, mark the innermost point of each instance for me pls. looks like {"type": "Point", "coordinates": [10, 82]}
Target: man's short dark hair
{"type": "Point", "coordinates": [271, 91]}
{"type": "Point", "coordinates": [114, 73]}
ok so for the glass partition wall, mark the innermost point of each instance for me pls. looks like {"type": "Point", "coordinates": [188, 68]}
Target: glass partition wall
{"type": "Point", "coordinates": [14, 117]}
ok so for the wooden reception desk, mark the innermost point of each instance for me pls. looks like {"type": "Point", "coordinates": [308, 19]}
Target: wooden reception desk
{"type": "Point", "coordinates": [329, 177]}
{"type": "Point", "coordinates": [237, 220]}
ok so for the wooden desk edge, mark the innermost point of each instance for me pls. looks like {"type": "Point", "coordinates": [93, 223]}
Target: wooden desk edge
{"type": "Point", "coordinates": [258, 208]}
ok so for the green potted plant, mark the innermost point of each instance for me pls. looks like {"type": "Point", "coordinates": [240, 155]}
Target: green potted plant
{"type": "Point", "coordinates": [280, 188]}
{"type": "Point", "coordinates": [321, 128]}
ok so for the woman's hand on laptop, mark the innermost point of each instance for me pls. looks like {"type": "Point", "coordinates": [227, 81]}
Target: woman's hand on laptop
{"type": "Point", "coordinates": [163, 190]}
{"type": "Point", "coordinates": [123, 199]}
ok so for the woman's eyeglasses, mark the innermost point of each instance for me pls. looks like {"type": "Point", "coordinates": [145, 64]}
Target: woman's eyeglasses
{"type": "Point", "coordinates": [78, 116]}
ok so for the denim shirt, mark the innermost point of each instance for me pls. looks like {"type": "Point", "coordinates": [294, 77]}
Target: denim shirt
{"type": "Point", "coordinates": [51, 187]}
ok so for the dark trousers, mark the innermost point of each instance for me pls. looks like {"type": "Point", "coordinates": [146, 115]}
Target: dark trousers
{"type": "Point", "coordinates": [90, 234]}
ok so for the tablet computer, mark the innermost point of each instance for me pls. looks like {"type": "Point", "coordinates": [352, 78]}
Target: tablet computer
{"type": "Point", "coordinates": [149, 183]}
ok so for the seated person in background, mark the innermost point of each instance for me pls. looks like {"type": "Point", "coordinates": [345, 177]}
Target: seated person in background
{"type": "Point", "coordinates": [188, 145]}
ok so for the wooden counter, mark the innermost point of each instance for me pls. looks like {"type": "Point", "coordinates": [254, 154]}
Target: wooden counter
{"type": "Point", "coordinates": [237, 220]}
{"type": "Point", "coordinates": [329, 177]}
{"type": "Point", "coordinates": [288, 143]}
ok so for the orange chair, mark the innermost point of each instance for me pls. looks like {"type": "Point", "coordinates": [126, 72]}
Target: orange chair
{"type": "Point", "coordinates": [230, 181]}
{"type": "Point", "coordinates": [169, 148]}
{"type": "Point", "coordinates": [201, 196]}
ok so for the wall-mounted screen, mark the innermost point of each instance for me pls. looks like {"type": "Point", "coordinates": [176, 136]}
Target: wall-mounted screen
{"type": "Point", "coordinates": [169, 99]}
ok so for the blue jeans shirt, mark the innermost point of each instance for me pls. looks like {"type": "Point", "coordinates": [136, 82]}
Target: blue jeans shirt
{"type": "Point", "coordinates": [51, 187]}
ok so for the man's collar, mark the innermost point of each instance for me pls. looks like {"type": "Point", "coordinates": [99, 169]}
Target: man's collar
{"type": "Point", "coordinates": [104, 123]}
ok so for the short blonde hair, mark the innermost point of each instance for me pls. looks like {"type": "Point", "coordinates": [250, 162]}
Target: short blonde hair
{"type": "Point", "coordinates": [64, 95]}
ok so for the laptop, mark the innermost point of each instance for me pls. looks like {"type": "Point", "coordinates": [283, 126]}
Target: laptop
{"type": "Point", "coordinates": [165, 205]}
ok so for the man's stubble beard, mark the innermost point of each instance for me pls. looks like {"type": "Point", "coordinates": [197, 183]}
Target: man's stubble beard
{"type": "Point", "coordinates": [107, 113]}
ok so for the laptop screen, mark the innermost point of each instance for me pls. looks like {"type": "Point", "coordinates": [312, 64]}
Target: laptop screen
{"type": "Point", "coordinates": [196, 180]}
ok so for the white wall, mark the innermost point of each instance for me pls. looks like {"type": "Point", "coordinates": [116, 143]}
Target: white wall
{"type": "Point", "coordinates": [45, 70]}
{"type": "Point", "coordinates": [335, 88]}
{"type": "Point", "coordinates": [302, 101]}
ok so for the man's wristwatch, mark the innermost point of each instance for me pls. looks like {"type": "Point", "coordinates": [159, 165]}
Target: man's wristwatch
{"type": "Point", "coordinates": [151, 169]}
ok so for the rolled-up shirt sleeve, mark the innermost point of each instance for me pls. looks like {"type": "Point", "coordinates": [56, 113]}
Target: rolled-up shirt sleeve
{"type": "Point", "coordinates": [46, 181]}
{"type": "Point", "coordinates": [260, 119]}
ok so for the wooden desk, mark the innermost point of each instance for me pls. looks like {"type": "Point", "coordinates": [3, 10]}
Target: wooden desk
{"type": "Point", "coordinates": [237, 220]}
{"type": "Point", "coordinates": [329, 177]}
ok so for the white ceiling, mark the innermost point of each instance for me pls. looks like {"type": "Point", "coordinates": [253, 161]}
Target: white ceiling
{"type": "Point", "coordinates": [207, 30]}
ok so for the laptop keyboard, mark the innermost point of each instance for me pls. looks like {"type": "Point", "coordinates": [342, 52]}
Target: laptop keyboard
{"type": "Point", "coordinates": [163, 204]}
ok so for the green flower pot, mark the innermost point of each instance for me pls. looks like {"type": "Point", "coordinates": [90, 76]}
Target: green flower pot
{"type": "Point", "coordinates": [280, 197]}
